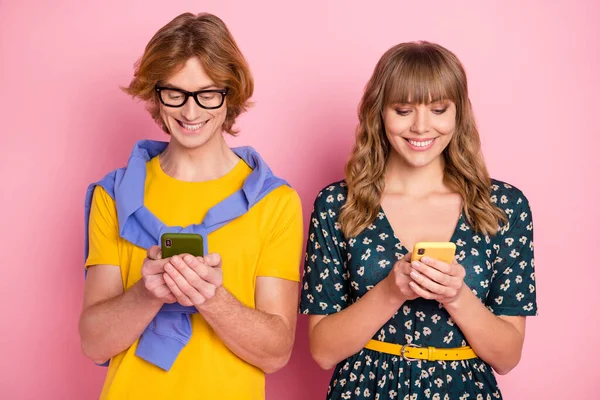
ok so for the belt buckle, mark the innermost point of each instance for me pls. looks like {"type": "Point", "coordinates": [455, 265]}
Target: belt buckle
{"type": "Point", "coordinates": [416, 346]}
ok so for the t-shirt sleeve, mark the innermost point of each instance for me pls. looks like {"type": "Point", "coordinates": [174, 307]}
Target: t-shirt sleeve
{"type": "Point", "coordinates": [325, 287]}
{"type": "Point", "coordinates": [513, 290]}
{"type": "Point", "coordinates": [103, 230]}
{"type": "Point", "coordinates": [280, 256]}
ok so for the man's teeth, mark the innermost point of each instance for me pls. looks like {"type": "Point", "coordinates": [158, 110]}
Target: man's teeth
{"type": "Point", "coordinates": [420, 144]}
{"type": "Point", "coordinates": [193, 127]}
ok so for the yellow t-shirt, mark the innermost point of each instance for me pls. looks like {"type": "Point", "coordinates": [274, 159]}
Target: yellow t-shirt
{"type": "Point", "coordinates": [266, 241]}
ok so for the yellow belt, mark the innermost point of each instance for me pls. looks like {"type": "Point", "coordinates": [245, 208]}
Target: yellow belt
{"type": "Point", "coordinates": [412, 352]}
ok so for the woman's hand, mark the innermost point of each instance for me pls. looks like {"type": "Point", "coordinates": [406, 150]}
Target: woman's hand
{"type": "Point", "coordinates": [436, 280]}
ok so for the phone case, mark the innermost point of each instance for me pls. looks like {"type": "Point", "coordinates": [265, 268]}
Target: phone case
{"type": "Point", "coordinates": [443, 251]}
{"type": "Point", "coordinates": [178, 243]}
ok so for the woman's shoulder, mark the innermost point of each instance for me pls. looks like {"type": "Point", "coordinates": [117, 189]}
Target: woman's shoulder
{"type": "Point", "coordinates": [507, 196]}
{"type": "Point", "coordinates": [332, 196]}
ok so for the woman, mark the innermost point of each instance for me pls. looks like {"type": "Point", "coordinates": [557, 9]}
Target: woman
{"type": "Point", "coordinates": [191, 327]}
{"type": "Point", "coordinates": [396, 329]}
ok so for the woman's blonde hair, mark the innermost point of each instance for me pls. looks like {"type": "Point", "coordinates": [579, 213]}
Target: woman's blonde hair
{"type": "Point", "coordinates": [417, 73]}
{"type": "Point", "coordinates": [204, 36]}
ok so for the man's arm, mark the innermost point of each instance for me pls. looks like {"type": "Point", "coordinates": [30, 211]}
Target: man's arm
{"type": "Point", "coordinates": [112, 319]}
{"type": "Point", "coordinates": [264, 336]}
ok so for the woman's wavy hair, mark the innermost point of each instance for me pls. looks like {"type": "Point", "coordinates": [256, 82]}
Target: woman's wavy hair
{"type": "Point", "coordinates": [206, 37]}
{"type": "Point", "coordinates": [417, 73]}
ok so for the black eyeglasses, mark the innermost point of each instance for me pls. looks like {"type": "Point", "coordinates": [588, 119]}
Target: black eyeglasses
{"type": "Point", "coordinates": [207, 99]}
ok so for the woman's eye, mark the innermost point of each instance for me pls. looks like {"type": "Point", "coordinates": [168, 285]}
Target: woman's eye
{"type": "Point", "coordinates": [402, 112]}
{"type": "Point", "coordinates": [439, 110]}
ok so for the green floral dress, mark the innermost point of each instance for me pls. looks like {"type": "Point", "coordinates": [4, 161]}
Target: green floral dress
{"type": "Point", "coordinates": [339, 270]}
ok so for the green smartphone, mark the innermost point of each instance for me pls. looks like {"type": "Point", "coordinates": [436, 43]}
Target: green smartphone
{"type": "Point", "coordinates": [172, 244]}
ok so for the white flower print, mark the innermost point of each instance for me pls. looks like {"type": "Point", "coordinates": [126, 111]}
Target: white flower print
{"type": "Point", "coordinates": [319, 287]}
{"type": "Point", "coordinates": [383, 236]}
{"type": "Point", "coordinates": [499, 300]}
{"type": "Point", "coordinates": [438, 382]}
{"type": "Point", "coordinates": [523, 264]}
{"type": "Point", "coordinates": [323, 275]}
{"type": "Point", "coordinates": [476, 239]}
{"type": "Point", "coordinates": [351, 242]}
{"type": "Point", "coordinates": [523, 216]}
{"type": "Point", "coordinates": [519, 279]}
{"type": "Point", "coordinates": [330, 199]}
{"type": "Point", "coordinates": [448, 337]}
{"type": "Point", "coordinates": [346, 395]}
{"type": "Point", "coordinates": [484, 284]}
{"type": "Point", "coordinates": [380, 248]}
{"type": "Point", "coordinates": [504, 287]}
{"type": "Point", "coordinates": [406, 310]}
{"type": "Point", "coordinates": [383, 263]}
{"type": "Point", "coordinates": [509, 241]}
{"type": "Point", "coordinates": [393, 394]}
{"type": "Point", "coordinates": [352, 377]}
{"type": "Point", "coordinates": [367, 393]}
{"type": "Point", "coordinates": [426, 331]}
{"type": "Point", "coordinates": [520, 296]}
{"type": "Point", "coordinates": [460, 243]}
{"type": "Point", "coordinates": [420, 315]}
{"type": "Point", "coordinates": [366, 254]}
{"type": "Point", "coordinates": [435, 318]}
{"type": "Point", "coordinates": [361, 271]}
{"type": "Point", "coordinates": [477, 269]}
{"type": "Point", "coordinates": [323, 305]}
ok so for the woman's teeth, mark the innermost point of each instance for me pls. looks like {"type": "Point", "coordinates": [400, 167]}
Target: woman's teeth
{"type": "Point", "coordinates": [420, 144]}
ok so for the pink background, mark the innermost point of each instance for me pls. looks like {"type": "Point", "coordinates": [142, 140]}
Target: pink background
{"type": "Point", "coordinates": [533, 73]}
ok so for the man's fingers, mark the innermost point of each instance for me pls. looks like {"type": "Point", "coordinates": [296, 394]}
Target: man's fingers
{"type": "Point", "coordinates": [154, 253]}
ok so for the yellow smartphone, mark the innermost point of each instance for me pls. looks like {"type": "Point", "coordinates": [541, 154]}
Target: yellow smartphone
{"type": "Point", "coordinates": [443, 251]}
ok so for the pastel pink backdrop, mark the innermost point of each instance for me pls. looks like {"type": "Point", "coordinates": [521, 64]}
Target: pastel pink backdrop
{"type": "Point", "coordinates": [532, 69]}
